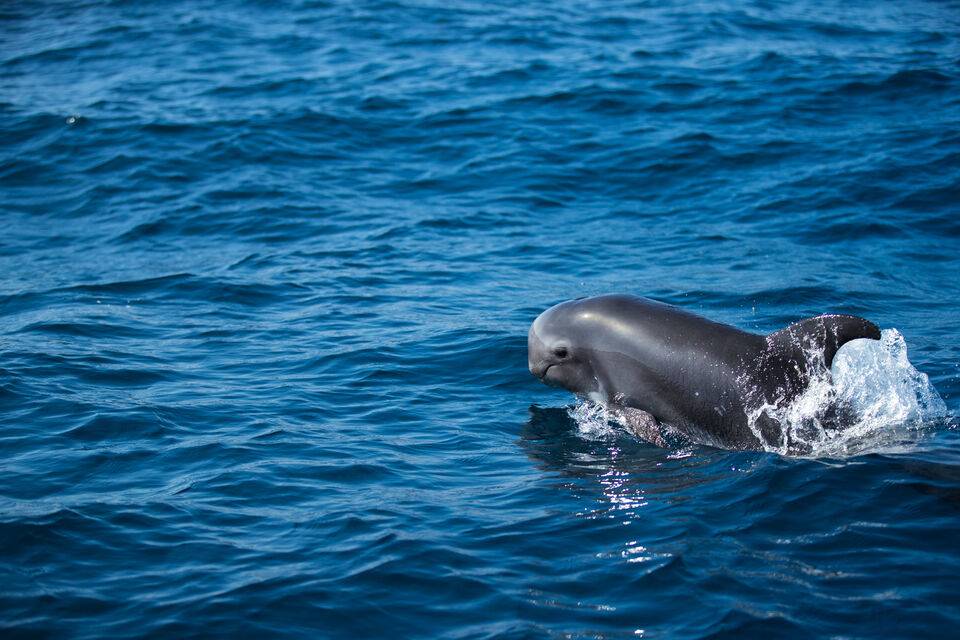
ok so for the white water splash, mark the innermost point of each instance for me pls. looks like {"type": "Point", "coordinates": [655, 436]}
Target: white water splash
{"type": "Point", "coordinates": [878, 380]}
{"type": "Point", "coordinates": [892, 402]}
{"type": "Point", "coordinates": [598, 422]}
{"type": "Point", "coordinates": [594, 421]}
{"type": "Point", "coordinates": [873, 400]}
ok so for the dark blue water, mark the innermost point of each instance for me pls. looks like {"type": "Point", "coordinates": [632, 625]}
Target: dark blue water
{"type": "Point", "coordinates": [266, 275]}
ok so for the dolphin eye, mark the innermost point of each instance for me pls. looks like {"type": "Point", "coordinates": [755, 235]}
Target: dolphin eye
{"type": "Point", "coordinates": [560, 352]}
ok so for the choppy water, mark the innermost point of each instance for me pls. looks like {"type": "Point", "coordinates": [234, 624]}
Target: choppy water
{"type": "Point", "coordinates": [266, 275]}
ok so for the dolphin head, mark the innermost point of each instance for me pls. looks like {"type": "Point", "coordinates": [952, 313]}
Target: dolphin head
{"type": "Point", "coordinates": [559, 352]}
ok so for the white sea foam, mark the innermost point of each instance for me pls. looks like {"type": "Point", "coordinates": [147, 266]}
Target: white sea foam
{"type": "Point", "coordinates": [891, 402]}
{"type": "Point", "coordinates": [593, 420]}
{"type": "Point", "coordinates": [873, 400]}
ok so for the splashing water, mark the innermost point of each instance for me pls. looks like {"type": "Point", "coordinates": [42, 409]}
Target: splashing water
{"type": "Point", "coordinates": [880, 381]}
{"type": "Point", "coordinates": [872, 400]}
{"type": "Point", "coordinates": [594, 421]}
{"type": "Point", "coordinates": [891, 402]}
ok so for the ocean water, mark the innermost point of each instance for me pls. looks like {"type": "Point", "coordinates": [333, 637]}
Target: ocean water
{"type": "Point", "coordinates": [266, 274]}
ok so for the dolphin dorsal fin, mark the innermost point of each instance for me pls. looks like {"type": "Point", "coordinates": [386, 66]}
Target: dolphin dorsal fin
{"type": "Point", "coordinates": [826, 334]}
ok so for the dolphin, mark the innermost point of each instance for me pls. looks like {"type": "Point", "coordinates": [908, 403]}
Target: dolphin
{"type": "Point", "coordinates": [661, 366]}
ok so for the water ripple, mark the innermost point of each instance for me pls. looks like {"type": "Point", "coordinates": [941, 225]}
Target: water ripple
{"type": "Point", "coordinates": [267, 274]}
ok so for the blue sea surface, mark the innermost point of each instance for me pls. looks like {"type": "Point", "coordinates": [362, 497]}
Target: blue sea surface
{"type": "Point", "coordinates": [266, 274]}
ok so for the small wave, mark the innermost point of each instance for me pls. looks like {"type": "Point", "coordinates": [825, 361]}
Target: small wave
{"type": "Point", "coordinates": [894, 86]}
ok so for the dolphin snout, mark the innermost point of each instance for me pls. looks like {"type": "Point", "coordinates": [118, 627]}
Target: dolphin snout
{"type": "Point", "coordinates": [536, 361]}
{"type": "Point", "coordinates": [537, 366]}
{"type": "Point", "coordinates": [539, 369]}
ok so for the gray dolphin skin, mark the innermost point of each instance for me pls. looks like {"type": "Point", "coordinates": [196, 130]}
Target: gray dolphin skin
{"type": "Point", "coordinates": [666, 366]}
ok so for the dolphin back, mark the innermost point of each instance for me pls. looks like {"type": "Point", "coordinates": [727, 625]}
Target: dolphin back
{"type": "Point", "coordinates": [822, 335]}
